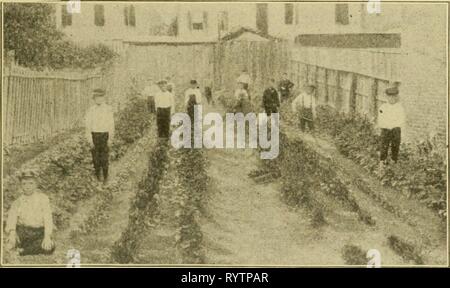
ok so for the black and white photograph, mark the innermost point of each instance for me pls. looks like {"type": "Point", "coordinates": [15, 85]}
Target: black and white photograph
{"type": "Point", "coordinates": [281, 134]}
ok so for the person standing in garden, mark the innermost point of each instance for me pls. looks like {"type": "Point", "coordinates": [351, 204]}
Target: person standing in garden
{"type": "Point", "coordinates": [150, 90]}
{"type": "Point", "coordinates": [170, 85]}
{"type": "Point", "coordinates": [165, 106]}
{"type": "Point", "coordinates": [285, 87]}
{"type": "Point", "coordinates": [241, 98]}
{"type": "Point", "coordinates": [391, 119]}
{"type": "Point", "coordinates": [271, 100]}
{"type": "Point", "coordinates": [305, 107]}
{"type": "Point", "coordinates": [29, 226]}
{"type": "Point", "coordinates": [192, 97]}
{"type": "Point", "coordinates": [246, 81]}
{"type": "Point", "coordinates": [100, 133]}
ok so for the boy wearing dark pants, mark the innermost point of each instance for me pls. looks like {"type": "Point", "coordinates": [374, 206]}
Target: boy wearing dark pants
{"type": "Point", "coordinates": [30, 223]}
{"type": "Point", "coordinates": [100, 131]}
{"type": "Point", "coordinates": [391, 119]}
{"type": "Point", "coordinates": [165, 105]}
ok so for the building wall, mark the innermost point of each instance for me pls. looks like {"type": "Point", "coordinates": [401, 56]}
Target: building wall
{"type": "Point", "coordinates": [84, 31]}
{"type": "Point", "coordinates": [424, 75]}
{"type": "Point", "coordinates": [239, 15]}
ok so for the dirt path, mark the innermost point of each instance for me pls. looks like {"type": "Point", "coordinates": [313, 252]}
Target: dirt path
{"type": "Point", "coordinates": [248, 224]}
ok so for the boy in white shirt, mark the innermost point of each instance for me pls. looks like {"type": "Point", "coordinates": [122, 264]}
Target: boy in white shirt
{"type": "Point", "coordinates": [305, 107]}
{"type": "Point", "coordinates": [150, 91]}
{"type": "Point", "coordinates": [29, 226]}
{"type": "Point", "coordinates": [100, 132]}
{"type": "Point", "coordinates": [165, 106]}
{"type": "Point", "coordinates": [391, 119]}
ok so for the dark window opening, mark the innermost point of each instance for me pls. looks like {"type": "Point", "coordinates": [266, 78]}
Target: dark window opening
{"type": "Point", "coordinates": [288, 13]}
{"type": "Point", "coordinates": [66, 17]}
{"type": "Point", "coordinates": [99, 11]}
{"type": "Point", "coordinates": [129, 16]}
{"type": "Point", "coordinates": [197, 26]}
{"type": "Point", "coordinates": [342, 15]}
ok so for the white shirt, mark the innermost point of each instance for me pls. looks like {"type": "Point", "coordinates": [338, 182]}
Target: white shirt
{"type": "Point", "coordinates": [240, 94]}
{"type": "Point", "coordinates": [244, 78]}
{"type": "Point", "coordinates": [32, 211]}
{"type": "Point", "coordinates": [193, 91]}
{"type": "Point", "coordinates": [304, 100]}
{"type": "Point", "coordinates": [164, 99]}
{"type": "Point", "coordinates": [391, 116]}
{"type": "Point", "coordinates": [100, 118]}
{"type": "Point", "coordinates": [151, 90]}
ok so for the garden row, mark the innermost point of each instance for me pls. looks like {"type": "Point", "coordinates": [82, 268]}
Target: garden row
{"type": "Point", "coordinates": [308, 180]}
{"type": "Point", "coordinates": [420, 171]}
{"type": "Point", "coordinates": [65, 171]}
{"type": "Point", "coordinates": [193, 178]}
{"type": "Point", "coordinates": [143, 208]}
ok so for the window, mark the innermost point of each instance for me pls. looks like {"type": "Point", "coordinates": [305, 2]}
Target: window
{"type": "Point", "coordinates": [288, 13]}
{"type": "Point", "coordinates": [261, 18]}
{"type": "Point", "coordinates": [197, 26]}
{"type": "Point", "coordinates": [223, 22]}
{"type": "Point", "coordinates": [99, 12]}
{"type": "Point", "coordinates": [197, 20]}
{"type": "Point", "coordinates": [66, 17]}
{"type": "Point", "coordinates": [130, 16]}
{"type": "Point", "coordinates": [341, 13]}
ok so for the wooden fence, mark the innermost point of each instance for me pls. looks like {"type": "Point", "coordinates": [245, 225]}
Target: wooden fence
{"type": "Point", "coordinates": [38, 105]}
{"type": "Point", "coordinates": [346, 91]}
{"type": "Point", "coordinates": [262, 59]}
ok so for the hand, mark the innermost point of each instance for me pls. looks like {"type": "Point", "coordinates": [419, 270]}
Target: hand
{"type": "Point", "coordinates": [47, 243]}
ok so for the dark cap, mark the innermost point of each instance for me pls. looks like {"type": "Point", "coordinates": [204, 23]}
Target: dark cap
{"type": "Point", "coordinates": [193, 82]}
{"type": "Point", "coordinates": [27, 174]}
{"type": "Point", "coordinates": [392, 91]}
{"type": "Point", "coordinates": [312, 86]}
{"type": "Point", "coordinates": [161, 82]}
{"type": "Point", "coordinates": [99, 92]}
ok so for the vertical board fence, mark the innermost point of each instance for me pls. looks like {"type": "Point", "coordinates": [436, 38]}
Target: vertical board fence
{"type": "Point", "coordinates": [262, 59]}
{"type": "Point", "coordinates": [38, 105]}
{"type": "Point", "coordinates": [345, 91]}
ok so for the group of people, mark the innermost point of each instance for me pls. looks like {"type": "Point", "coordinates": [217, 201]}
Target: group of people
{"type": "Point", "coordinates": [29, 225]}
{"type": "Point", "coordinates": [391, 116]}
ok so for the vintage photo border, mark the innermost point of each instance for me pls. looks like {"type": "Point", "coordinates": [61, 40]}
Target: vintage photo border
{"type": "Point", "coordinates": [109, 265]}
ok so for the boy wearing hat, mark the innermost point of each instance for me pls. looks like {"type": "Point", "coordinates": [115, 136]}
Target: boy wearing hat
{"type": "Point", "coordinates": [305, 107]}
{"type": "Point", "coordinates": [99, 131]}
{"type": "Point", "coordinates": [150, 90]}
{"type": "Point", "coordinates": [245, 80]}
{"type": "Point", "coordinates": [29, 226]}
{"type": "Point", "coordinates": [271, 101]}
{"type": "Point", "coordinates": [165, 105]}
{"type": "Point", "coordinates": [192, 97]}
{"type": "Point", "coordinates": [391, 119]}
{"type": "Point", "coordinates": [285, 87]}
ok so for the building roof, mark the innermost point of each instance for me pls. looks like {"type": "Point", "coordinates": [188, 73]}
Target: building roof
{"type": "Point", "coordinates": [174, 40]}
{"type": "Point", "coordinates": [247, 34]}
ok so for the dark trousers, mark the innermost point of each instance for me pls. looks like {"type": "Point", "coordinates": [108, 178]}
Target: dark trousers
{"type": "Point", "coordinates": [100, 153]}
{"type": "Point", "coordinates": [390, 138]}
{"type": "Point", "coordinates": [306, 118]}
{"type": "Point", "coordinates": [151, 104]}
{"type": "Point", "coordinates": [163, 122]}
{"type": "Point", "coordinates": [30, 240]}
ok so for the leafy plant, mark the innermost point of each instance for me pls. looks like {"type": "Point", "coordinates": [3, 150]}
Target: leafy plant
{"type": "Point", "coordinates": [420, 171]}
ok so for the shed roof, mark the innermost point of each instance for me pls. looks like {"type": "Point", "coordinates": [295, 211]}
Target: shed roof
{"type": "Point", "coordinates": [247, 34]}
